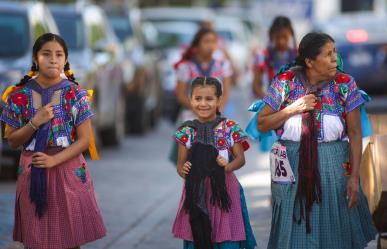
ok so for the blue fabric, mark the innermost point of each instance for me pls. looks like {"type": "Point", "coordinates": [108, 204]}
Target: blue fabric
{"type": "Point", "coordinates": [249, 243]}
{"type": "Point", "coordinates": [366, 126]}
{"type": "Point", "coordinates": [266, 139]}
{"type": "Point", "coordinates": [334, 225]}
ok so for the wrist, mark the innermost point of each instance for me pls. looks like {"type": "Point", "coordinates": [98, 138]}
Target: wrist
{"type": "Point", "coordinates": [32, 125]}
{"type": "Point", "coordinates": [34, 122]}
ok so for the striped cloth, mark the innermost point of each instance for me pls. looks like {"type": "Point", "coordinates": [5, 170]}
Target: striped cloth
{"type": "Point", "coordinates": [334, 226]}
{"type": "Point", "coordinates": [73, 217]}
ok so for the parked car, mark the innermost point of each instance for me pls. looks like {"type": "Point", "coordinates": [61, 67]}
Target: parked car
{"type": "Point", "coordinates": [361, 39]}
{"type": "Point", "coordinates": [20, 24]}
{"type": "Point", "coordinates": [143, 95]}
{"type": "Point", "coordinates": [96, 58]}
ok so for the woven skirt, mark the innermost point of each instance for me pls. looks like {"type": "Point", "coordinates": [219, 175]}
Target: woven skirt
{"type": "Point", "coordinates": [72, 218]}
{"type": "Point", "coordinates": [334, 225]}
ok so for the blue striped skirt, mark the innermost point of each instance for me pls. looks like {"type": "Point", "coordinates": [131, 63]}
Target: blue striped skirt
{"type": "Point", "coordinates": [334, 225]}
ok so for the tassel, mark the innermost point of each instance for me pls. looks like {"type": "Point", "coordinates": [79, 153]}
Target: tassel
{"type": "Point", "coordinates": [7, 92]}
{"type": "Point", "coordinates": [38, 190]}
{"type": "Point", "coordinates": [94, 155]}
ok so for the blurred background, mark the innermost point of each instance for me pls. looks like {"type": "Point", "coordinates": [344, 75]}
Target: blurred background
{"type": "Point", "coordinates": [125, 51]}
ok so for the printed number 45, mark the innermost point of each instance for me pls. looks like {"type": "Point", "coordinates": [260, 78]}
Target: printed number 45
{"type": "Point", "coordinates": [280, 169]}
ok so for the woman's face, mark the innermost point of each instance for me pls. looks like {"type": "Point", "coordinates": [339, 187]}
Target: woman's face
{"type": "Point", "coordinates": [207, 44]}
{"type": "Point", "coordinates": [204, 102]}
{"type": "Point", "coordinates": [281, 39]}
{"type": "Point", "coordinates": [325, 63]}
{"type": "Point", "coordinates": [51, 59]}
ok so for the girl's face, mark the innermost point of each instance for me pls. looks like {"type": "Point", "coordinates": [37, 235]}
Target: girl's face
{"type": "Point", "coordinates": [51, 60]}
{"type": "Point", "coordinates": [325, 63]}
{"type": "Point", "coordinates": [207, 44]}
{"type": "Point", "coordinates": [204, 102]}
{"type": "Point", "coordinates": [281, 39]}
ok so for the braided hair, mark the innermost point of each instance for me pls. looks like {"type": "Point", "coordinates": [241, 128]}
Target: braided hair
{"type": "Point", "coordinates": [209, 81]}
{"type": "Point", "coordinates": [39, 43]}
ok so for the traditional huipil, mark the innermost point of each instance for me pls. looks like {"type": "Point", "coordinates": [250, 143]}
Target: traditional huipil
{"type": "Point", "coordinates": [313, 212]}
{"type": "Point", "coordinates": [228, 224]}
{"type": "Point", "coordinates": [55, 208]}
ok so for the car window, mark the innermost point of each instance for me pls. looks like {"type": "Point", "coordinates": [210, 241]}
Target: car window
{"type": "Point", "coordinates": [71, 28]}
{"type": "Point", "coordinates": [16, 41]}
{"type": "Point", "coordinates": [121, 27]}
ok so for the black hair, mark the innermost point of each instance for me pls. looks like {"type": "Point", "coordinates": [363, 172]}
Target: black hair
{"type": "Point", "coordinates": [208, 81]}
{"type": "Point", "coordinates": [280, 23]}
{"type": "Point", "coordinates": [39, 43]}
{"type": "Point", "coordinates": [189, 53]}
{"type": "Point", "coordinates": [310, 46]}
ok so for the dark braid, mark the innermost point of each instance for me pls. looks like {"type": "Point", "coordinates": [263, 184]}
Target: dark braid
{"type": "Point", "coordinates": [29, 75]}
{"type": "Point", "coordinates": [69, 73]}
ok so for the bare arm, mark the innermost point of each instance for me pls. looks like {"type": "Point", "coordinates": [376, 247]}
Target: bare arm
{"type": "Point", "coordinates": [269, 119]}
{"type": "Point", "coordinates": [183, 166]}
{"type": "Point", "coordinates": [257, 83]}
{"type": "Point", "coordinates": [226, 91]}
{"type": "Point", "coordinates": [239, 158]}
{"type": "Point", "coordinates": [355, 143]}
{"type": "Point", "coordinates": [80, 145]}
{"type": "Point", "coordinates": [181, 94]}
{"type": "Point", "coordinates": [17, 137]}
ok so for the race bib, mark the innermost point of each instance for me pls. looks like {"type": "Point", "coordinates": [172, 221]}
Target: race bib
{"type": "Point", "coordinates": [281, 172]}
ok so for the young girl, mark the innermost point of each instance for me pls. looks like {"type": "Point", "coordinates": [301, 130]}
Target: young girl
{"type": "Point", "coordinates": [279, 52]}
{"type": "Point", "coordinates": [212, 211]}
{"type": "Point", "coordinates": [198, 60]}
{"type": "Point", "coordinates": [50, 118]}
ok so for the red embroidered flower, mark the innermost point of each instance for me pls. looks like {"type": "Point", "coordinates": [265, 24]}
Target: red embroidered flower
{"type": "Point", "coordinates": [336, 88]}
{"type": "Point", "coordinates": [230, 123]}
{"type": "Point", "coordinates": [184, 138]}
{"type": "Point", "coordinates": [342, 78]}
{"type": "Point", "coordinates": [286, 76]}
{"type": "Point", "coordinates": [67, 107]}
{"type": "Point", "coordinates": [236, 135]}
{"type": "Point", "coordinates": [70, 95]}
{"type": "Point", "coordinates": [221, 141]}
{"type": "Point", "coordinates": [20, 99]}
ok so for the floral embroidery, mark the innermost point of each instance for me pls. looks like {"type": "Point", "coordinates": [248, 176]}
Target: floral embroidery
{"type": "Point", "coordinates": [20, 99]}
{"type": "Point", "coordinates": [230, 123]}
{"type": "Point", "coordinates": [221, 142]}
{"type": "Point", "coordinates": [81, 173]}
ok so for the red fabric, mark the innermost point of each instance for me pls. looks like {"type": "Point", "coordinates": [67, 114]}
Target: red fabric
{"type": "Point", "coordinates": [73, 217]}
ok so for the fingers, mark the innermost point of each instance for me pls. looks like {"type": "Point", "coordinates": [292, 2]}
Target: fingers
{"type": "Point", "coordinates": [186, 168]}
{"type": "Point", "coordinates": [353, 197]}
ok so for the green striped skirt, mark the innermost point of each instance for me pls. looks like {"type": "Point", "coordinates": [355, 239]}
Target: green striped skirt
{"type": "Point", "coordinates": [334, 225]}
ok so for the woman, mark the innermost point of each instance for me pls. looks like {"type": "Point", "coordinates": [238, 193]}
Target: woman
{"type": "Point", "coordinates": [314, 108]}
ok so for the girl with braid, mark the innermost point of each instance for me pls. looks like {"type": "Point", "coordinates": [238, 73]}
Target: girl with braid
{"type": "Point", "coordinates": [212, 213]}
{"type": "Point", "coordinates": [49, 117]}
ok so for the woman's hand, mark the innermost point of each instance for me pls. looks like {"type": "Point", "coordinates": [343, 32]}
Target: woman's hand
{"type": "Point", "coordinates": [43, 115]}
{"type": "Point", "coordinates": [42, 160]}
{"type": "Point", "coordinates": [303, 104]}
{"type": "Point", "coordinates": [353, 191]}
{"type": "Point", "coordinates": [184, 171]}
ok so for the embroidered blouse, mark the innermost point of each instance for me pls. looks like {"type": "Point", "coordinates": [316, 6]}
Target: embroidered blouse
{"type": "Point", "coordinates": [225, 135]}
{"type": "Point", "coordinates": [335, 100]}
{"type": "Point", "coordinates": [71, 109]}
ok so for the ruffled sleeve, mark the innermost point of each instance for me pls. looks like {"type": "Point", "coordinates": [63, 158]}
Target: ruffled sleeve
{"type": "Point", "coordinates": [183, 72]}
{"type": "Point", "coordinates": [353, 97]}
{"type": "Point", "coordinates": [81, 110]}
{"type": "Point", "coordinates": [11, 114]}
{"type": "Point", "coordinates": [278, 90]}
{"type": "Point", "coordinates": [236, 132]}
{"type": "Point", "coordinates": [184, 136]}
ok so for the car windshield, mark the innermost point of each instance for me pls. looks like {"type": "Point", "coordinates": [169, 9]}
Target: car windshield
{"type": "Point", "coordinates": [72, 29]}
{"type": "Point", "coordinates": [121, 27]}
{"type": "Point", "coordinates": [173, 39]}
{"type": "Point", "coordinates": [15, 39]}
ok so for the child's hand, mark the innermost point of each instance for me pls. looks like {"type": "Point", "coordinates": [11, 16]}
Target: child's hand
{"type": "Point", "coordinates": [43, 115]}
{"type": "Point", "coordinates": [184, 171]}
{"type": "Point", "coordinates": [221, 161]}
{"type": "Point", "coordinates": [41, 160]}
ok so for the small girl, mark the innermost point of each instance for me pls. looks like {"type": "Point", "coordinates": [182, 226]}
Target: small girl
{"type": "Point", "coordinates": [278, 53]}
{"type": "Point", "coordinates": [212, 213]}
{"type": "Point", "coordinates": [50, 118]}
